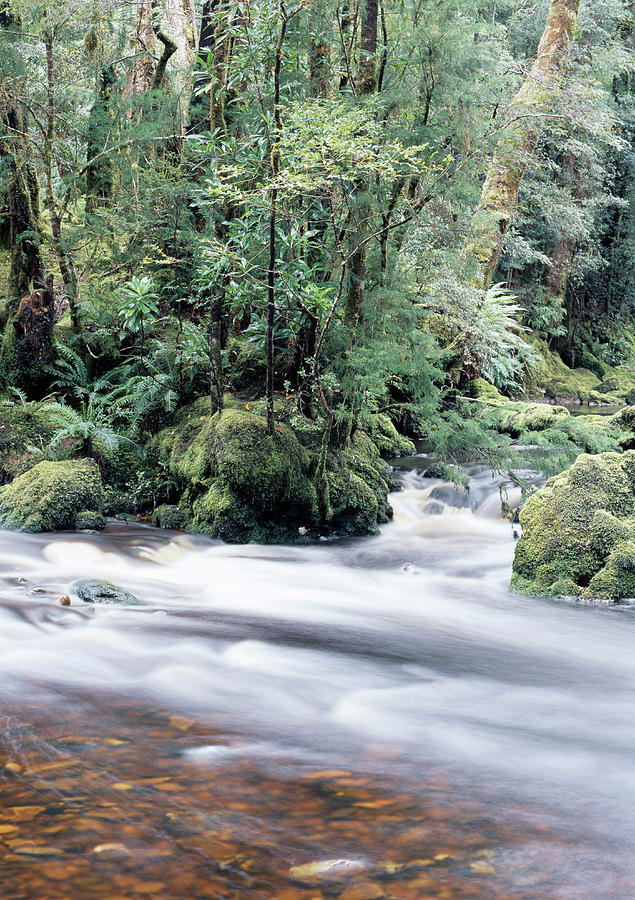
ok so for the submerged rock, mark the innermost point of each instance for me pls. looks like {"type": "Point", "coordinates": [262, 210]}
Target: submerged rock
{"type": "Point", "coordinates": [327, 870]}
{"type": "Point", "coordinates": [51, 495]}
{"type": "Point", "coordinates": [579, 532]}
{"type": "Point", "coordinates": [97, 591]}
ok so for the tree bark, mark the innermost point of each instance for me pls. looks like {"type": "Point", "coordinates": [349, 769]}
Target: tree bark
{"type": "Point", "coordinates": [64, 260]}
{"type": "Point", "coordinates": [529, 106]}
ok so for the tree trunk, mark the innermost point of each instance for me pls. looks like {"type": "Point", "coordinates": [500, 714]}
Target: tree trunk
{"type": "Point", "coordinates": [529, 106]}
{"type": "Point", "coordinates": [20, 229]}
{"type": "Point", "coordinates": [65, 261]}
{"type": "Point", "coordinates": [359, 219]}
{"type": "Point", "coordinates": [367, 65]}
{"type": "Point", "coordinates": [100, 175]}
{"type": "Point", "coordinates": [320, 51]}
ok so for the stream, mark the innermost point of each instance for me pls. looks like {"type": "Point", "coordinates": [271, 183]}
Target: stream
{"type": "Point", "coordinates": [385, 703]}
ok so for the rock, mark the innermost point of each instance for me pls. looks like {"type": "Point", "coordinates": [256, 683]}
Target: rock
{"type": "Point", "coordinates": [49, 496]}
{"type": "Point", "coordinates": [579, 532]}
{"type": "Point", "coordinates": [326, 871]}
{"type": "Point", "coordinates": [170, 517]}
{"type": "Point", "coordinates": [246, 485]}
{"type": "Point", "coordinates": [65, 600]}
{"type": "Point", "coordinates": [97, 591]}
{"type": "Point", "coordinates": [89, 520]}
{"type": "Point", "coordinates": [365, 890]}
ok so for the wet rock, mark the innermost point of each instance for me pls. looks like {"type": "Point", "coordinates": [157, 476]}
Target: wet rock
{"type": "Point", "coordinates": [65, 600]}
{"type": "Point", "coordinates": [365, 890]}
{"type": "Point", "coordinates": [326, 871]}
{"type": "Point", "coordinates": [97, 591]}
{"type": "Point", "coordinates": [579, 532]}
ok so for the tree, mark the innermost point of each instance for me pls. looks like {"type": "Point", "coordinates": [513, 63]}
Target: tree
{"type": "Point", "coordinates": [525, 116]}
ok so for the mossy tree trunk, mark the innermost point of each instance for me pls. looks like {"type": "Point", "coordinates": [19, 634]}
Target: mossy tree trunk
{"type": "Point", "coordinates": [366, 84]}
{"type": "Point", "coordinates": [20, 204]}
{"type": "Point", "coordinates": [100, 168]}
{"type": "Point", "coordinates": [64, 259]}
{"type": "Point", "coordinates": [527, 111]}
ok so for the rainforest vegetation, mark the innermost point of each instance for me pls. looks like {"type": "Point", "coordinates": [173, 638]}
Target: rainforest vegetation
{"type": "Point", "coordinates": [251, 247]}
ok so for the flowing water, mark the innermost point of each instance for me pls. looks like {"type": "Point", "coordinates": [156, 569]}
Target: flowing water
{"type": "Point", "coordinates": [384, 702]}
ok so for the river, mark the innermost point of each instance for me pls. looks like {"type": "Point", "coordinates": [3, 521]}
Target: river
{"type": "Point", "coordinates": [385, 702]}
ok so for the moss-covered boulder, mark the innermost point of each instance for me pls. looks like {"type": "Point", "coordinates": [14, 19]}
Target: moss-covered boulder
{"type": "Point", "coordinates": [50, 496]}
{"type": "Point", "coordinates": [241, 484]}
{"type": "Point", "coordinates": [579, 532]}
{"type": "Point", "coordinates": [169, 516]}
{"type": "Point", "coordinates": [89, 520]}
{"type": "Point", "coordinates": [517, 418]}
{"type": "Point", "coordinates": [387, 439]}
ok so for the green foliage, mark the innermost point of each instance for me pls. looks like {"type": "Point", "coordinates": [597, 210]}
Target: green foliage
{"type": "Point", "coordinates": [138, 306]}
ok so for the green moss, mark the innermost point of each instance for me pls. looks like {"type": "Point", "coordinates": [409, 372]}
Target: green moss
{"type": "Point", "coordinates": [574, 524]}
{"type": "Point", "coordinates": [553, 378]}
{"type": "Point", "coordinates": [89, 520]}
{"type": "Point", "coordinates": [168, 516]}
{"type": "Point", "coordinates": [517, 418]}
{"type": "Point", "coordinates": [241, 484]}
{"type": "Point", "coordinates": [49, 496]}
{"type": "Point", "coordinates": [616, 579]}
{"type": "Point", "coordinates": [387, 439]}
{"type": "Point", "coordinates": [483, 390]}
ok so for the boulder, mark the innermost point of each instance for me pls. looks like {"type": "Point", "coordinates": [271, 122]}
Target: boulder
{"type": "Point", "coordinates": [89, 520]}
{"type": "Point", "coordinates": [93, 590]}
{"type": "Point", "coordinates": [168, 516]}
{"type": "Point", "coordinates": [51, 495]}
{"type": "Point", "coordinates": [579, 532]}
{"type": "Point", "coordinates": [241, 484]}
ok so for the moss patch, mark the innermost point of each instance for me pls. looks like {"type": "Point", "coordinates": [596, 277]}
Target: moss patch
{"type": "Point", "coordinates": [50, 496]}
{"type": "Point", "coordinates": [578, 532]}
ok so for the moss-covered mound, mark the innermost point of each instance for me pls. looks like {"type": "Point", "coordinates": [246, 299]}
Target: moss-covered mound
{"type": "Point", "coordinates": [579, 532]}
{"type": "Point", "coordinates": [168, 516]}
{"type": "Point", "coordinates": [241, 484]}
{"type": "Point", "coordinates": [51, 496]}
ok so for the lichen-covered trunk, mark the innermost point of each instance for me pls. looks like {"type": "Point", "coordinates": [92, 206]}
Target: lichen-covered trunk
{"type": "Point", "coordinates": [527, 110]}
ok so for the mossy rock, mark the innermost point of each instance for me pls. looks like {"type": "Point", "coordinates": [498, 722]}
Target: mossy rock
{"type": "Point", "coordinates": [50, 496]}
{"type": "Point", "coordinates": [168, 516]}
{"type": "Point", "coordinates": [242, 484]}
{"type": "Point", "coordinates": [517, 418]}
{"type": "Point", "coordinates": [483, 390]}
{"type": "Point", "coordinates": [95, 590]}
{"type": "Point", "coordinates": [89, 520]}
{"type": "Point", "coordinates": [554, 379]}
{"type": "Point", "coordinates": [387, 439]}
{"type": "Point", "coordinates": [578, 531]}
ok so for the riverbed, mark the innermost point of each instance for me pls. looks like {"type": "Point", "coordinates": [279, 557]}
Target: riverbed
{"type": "Point", "coordinates": [381, 710]}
